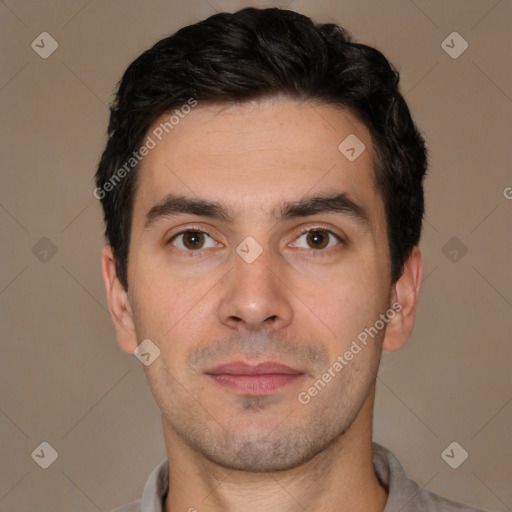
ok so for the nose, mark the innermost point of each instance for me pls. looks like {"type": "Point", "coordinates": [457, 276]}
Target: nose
{"type": "Point", "coordinates": [255, 296]}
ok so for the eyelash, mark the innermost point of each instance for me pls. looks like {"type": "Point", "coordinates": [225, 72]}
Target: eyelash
{"type": "Point", "coordinates": [314, 252]}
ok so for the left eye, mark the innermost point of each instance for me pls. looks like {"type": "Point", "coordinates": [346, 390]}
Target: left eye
{"type": "Point", "coordinates": [318, 239]}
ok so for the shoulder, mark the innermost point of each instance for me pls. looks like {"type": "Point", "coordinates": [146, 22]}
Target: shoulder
{"type": "Point", "coordinates": [155, 489]}
{"type": "Point", "coordinates": [404, 494]}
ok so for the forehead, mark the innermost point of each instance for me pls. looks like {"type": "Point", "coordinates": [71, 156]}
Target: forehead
{"type": "Point", "coordinates": [251, 156]}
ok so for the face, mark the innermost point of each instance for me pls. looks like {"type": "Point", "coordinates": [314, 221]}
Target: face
{"type": "Point", "coordinates": [256, 241]}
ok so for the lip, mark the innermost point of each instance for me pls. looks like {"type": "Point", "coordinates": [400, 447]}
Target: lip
{"type": "Point", "coordinates": [242, 368]}
{"type": "Point", "coordinates": [260, 379]}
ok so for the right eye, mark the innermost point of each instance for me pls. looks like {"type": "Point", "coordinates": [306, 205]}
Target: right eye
{"type": "Point", "coordinates": [191, 240]}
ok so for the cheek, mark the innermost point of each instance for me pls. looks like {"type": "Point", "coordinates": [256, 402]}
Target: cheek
{"type": "Point", "coordinates": [159, 304]}
{"type": "Point", "coordinates": [347, 299]}
{"type": "Point", "coordinates": [172, 311]}
{"type": "Point", "coordinates": [170, 287]}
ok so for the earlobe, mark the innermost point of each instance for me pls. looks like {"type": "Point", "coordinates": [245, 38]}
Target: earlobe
{"type": "Point", "coordinates": [405, 295]}
{"type": "Point", "coordinates": [119, 304]}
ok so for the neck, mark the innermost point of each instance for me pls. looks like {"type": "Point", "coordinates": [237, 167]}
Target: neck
{"type": "Point", "coordinates": [340, 478]}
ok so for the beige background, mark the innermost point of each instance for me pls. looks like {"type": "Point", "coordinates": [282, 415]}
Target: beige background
{"type": "Point", "coordinates": [63, 379]}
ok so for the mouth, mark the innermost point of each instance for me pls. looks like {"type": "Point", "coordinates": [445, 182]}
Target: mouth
{"type": "Point", "coordinates": [260, 379]}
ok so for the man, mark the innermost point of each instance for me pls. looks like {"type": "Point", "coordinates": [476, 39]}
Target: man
{"type": "Point", "coordinates": [263, 200]}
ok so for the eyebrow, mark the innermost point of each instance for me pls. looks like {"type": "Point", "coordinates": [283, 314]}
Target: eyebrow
{"type": "Point", "coordinates": [340, 203]}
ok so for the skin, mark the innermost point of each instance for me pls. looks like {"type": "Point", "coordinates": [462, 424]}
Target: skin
{"type": "Point", "coordinates": [295, 303]}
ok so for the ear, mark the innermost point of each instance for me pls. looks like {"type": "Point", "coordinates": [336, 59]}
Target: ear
{"type": "Point", "coordinates": [404, 296]}
{"type": "Point", "coordinates": [119, 303]}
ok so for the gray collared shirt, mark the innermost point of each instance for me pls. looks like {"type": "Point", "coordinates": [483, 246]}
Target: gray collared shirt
{"type": "Point", "coordinates": [404, 495]}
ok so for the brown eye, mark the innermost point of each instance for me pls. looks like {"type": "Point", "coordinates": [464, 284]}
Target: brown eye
{"type": "Point", "coordinates": [317, 239]}
{"type": "Point", "coordinates": [192, 240]}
